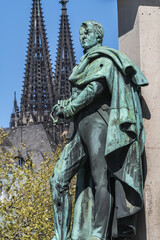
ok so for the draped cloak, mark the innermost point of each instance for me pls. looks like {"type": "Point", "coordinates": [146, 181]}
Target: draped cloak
{"type": "Point", "coordinates": [124, 144]}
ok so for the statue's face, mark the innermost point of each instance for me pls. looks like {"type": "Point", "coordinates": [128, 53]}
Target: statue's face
{"type": "Point", "coordinates": [88, 37]}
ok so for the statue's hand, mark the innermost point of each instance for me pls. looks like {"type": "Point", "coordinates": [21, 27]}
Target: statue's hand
{"type": "Point", "coordinates": [63, 103]}
{"type": "Point", "coordinates": [59, 110]}
{"type": "Point", "coordinates": [67, 111]}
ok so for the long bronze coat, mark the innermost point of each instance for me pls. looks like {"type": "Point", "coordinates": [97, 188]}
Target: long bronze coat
{"type": "Point", "coordinates": [124, 141]}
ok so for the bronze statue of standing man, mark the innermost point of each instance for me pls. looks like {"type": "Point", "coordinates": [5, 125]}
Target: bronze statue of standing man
{"type": "Point", "coordinates": [106, 148]}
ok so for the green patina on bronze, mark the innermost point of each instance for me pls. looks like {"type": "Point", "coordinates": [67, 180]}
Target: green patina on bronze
{"type": "Point", "coordinates": [106, 109]}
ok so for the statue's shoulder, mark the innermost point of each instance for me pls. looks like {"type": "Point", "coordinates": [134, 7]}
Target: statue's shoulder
{"type": "Point", "coordinates": [103, 53]}
{"type": "Point", "coordinates": [100, 55]}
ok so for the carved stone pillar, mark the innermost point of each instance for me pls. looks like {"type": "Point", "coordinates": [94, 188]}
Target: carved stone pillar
{"type": "Point", "coordinates": [139, 38]}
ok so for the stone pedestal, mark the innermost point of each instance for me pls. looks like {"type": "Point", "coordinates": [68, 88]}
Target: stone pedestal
{"type": "Point", "coordinates": [139, 38]}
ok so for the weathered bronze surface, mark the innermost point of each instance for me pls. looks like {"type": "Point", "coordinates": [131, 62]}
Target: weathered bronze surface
{"type": "Point", "coordinates": [106, 148]}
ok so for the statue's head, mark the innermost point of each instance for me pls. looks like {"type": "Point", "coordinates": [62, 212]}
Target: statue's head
{"type": "Point", "coordinates": [91, 34]}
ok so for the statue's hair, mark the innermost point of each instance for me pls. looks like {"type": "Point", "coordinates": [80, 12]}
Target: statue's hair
{"type": "Point", "coordinates": [97, 27]}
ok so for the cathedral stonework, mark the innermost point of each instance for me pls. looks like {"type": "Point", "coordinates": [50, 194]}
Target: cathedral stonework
{"type": "Point", "coordinates": [42, 88]}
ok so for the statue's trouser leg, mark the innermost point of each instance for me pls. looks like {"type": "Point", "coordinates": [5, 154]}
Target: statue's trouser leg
{"type": "Point", "coordinates": [71, 159]}
{"type": "Point", "coordinates": [94, 139]}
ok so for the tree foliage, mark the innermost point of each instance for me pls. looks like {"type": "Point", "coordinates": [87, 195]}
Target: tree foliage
{"type": "Point", "coordinates": [26, 207]}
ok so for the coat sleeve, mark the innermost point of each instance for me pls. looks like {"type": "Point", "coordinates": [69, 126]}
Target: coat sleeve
{"type": "Point", "coordinates": [87, 95]}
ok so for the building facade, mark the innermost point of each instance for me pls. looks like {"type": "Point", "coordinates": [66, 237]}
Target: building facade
{"type": "Point", "coordinates": [42, 88]}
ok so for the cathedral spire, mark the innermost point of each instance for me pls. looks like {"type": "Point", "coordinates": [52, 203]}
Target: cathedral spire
{"type": "Point", "coordinates": [64, 9]}
{"type": "Point", "coordinates": [14, 120]}
{"type": "Point", "coordinates": [65, 60]}
{"type": "Point", "coordinates": [15, 103]}
{"type": "Point", "coordinates": [37, 97]}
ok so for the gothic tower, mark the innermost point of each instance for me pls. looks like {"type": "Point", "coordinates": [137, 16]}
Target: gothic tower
{"type": "Point", "coordinates": [65, 60]}
{"type": "Point", "coordinates": [38, 95]}
{"type": "Point", "coordinates": [15, 119]}
{"type": "Point", "coordinates": [42, 89]}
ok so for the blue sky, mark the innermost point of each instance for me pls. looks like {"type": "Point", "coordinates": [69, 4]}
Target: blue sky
{"type": "Point", "coordinates": [14, 27]}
